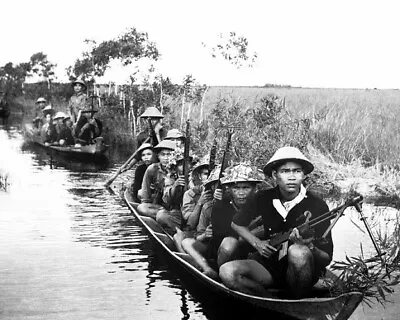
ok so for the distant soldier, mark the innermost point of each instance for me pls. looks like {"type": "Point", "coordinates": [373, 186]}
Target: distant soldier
{"type": "Point", "coordinates": [48, 131]}
{"type": "Point", "coordinates": [155, 117]}
{"type": "Point", "coordinates": [79, 101]}
{"type": "Point", "coordinates": [176, 136]}
{"type": "Point", "coordinates": [39, 105]}
{"type": "Point", "coordinates": [66, 137]}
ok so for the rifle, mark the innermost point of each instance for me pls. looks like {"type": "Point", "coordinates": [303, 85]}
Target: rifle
{"type": "Point", "coordinates": [179, 189]}
{"type": "Point", "coordinates": [186, 159]}
{"type": "Point", "coordinates": [213, 155]}
{"type": "Point", "coordinates": [152, 134]}
{"type": "Point", "coordinates": [224, 162]}
{"type": "Point", "coordinates": [336, 213]}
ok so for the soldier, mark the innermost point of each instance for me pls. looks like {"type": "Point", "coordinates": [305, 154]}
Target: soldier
{"type": "Point", "coordinates": [146, 135]}
{"type": "Point", "coordinates": [78, 101]}
{"type": "Point", "coordinates": [240, 182]}
{"type": "Point", "coordinates": [300, 261]}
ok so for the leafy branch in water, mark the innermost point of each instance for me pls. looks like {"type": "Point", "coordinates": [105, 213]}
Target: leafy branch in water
{"type": "Point", "coordinates": [374, 277]}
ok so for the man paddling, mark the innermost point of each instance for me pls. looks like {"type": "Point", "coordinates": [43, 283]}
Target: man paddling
{"type": "Point", "coordinates": [298, 264]}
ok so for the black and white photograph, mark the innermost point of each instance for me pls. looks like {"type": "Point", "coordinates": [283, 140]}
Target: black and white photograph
{"type": "Point", "coordinates": [199, 160]}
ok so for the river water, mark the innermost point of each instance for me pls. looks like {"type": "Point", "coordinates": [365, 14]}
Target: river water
{"type": "Point", "coordinates": [70, 249]}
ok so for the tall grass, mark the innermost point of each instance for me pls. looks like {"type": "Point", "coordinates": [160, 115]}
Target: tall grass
{"type": "Point", "coordinates": [346, 124]}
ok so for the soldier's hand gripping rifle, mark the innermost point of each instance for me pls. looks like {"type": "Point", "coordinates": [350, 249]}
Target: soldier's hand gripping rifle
{"type": "Point", "coordinates": [335, 214]}
{"type": "Point", "coordinates": [180, 190]}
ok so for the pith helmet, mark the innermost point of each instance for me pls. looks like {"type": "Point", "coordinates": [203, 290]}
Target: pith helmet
{"type": "Point", "coordinates": [203, 163]}
{"type": "Point", "coordinates": [67, 117]}
{"type": "Point", "coordinates": [165, 144]}
{"type": "Point", "coordinates": [80, 81]}
{"type": "Point", "coordinates": [286, 154]}
{"type": "Point", "coordinates": [144, 146]}
{"type": "Point", "coordinates": [152, 112]}
{"type": "Point", "coordinates": [41, 99]}
{"type": "Point", "coordinates": [241, 173]}
{"type": "Point", "coordinates": [60, 115]}
{"type": "Point", "coordinates": [48, 109]}
{"type": "Point", "coordinates": [214, 175]}
{"type": "Point", "coordinates": [174, 134]}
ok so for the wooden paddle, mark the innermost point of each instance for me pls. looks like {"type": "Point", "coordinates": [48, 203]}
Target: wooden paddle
{"type": "Point", "coordinates": [126, 166]}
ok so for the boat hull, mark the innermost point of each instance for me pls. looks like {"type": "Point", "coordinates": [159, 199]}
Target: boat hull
{"type": "Point", "coordinates": [333, 308]}
{"type": "Point", "coordinates": [89, 153]}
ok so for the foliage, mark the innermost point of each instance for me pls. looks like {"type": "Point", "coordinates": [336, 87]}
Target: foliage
{"type": "Point", "coordinates": [41, 66]}
{"type": "Point", "coordinates": [267, 119]}
{"type": "Point", "coordinates": [234, 49]}
{"type": "Point", "coordinates": [126, 48]}
{"type": "Point", "coordinates": [13, 77]}
{"type": "Point", "coordinates": [375, 277]}
{"type": "Point", "coordinates": [371, 277]}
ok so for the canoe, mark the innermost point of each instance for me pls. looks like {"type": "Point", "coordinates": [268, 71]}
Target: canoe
{"type": "Point", "coordinates": [319, 308]}
{"type": "Point", "coordinates": [88, 153]}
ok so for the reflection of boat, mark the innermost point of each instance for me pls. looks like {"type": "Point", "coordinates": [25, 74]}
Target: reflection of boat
{"type": "Point", "coordinates": [323, 307]}
{"type": "Point", "coordinates": [88, 153]}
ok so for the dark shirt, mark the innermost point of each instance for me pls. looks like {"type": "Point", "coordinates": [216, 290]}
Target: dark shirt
{"type": "Point", "coordinates": [50, 134]}
{"type": "Point", "coordinates": [66, 134]}
{"type": "Point", "coordinates": [153, 184]}
{"type": "Point", "coordinates": [138, 179]}
{"type": "Point", "coordinates": [87, 132]}
{"type": "Point", "coordinates": [273, 222]}
{"type": "Point", "coordinates": [221, 218]}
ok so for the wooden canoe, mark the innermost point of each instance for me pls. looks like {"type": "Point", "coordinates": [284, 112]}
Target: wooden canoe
{"type": "Point", "coordinates": [333, 308]}
{"type": "Point", "coordinates": [88, 153]}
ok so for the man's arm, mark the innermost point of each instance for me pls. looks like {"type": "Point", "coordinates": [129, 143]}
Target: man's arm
{"type": "Point", "coordinates": [262, 246]}
{"type": "Point", "coordinates": [146, 191]}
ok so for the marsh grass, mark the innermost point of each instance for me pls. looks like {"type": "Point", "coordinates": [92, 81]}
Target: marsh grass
{"type": "Point", "coordinates": [346, 124]}
{"type": "Point", "coordinates": [349, 127]}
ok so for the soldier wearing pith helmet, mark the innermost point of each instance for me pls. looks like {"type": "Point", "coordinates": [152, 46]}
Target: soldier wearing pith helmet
{"type": "Point", "coordinates": [155, 117]}
{"type": "Point", "coordinates": [299, 262]}
{"type": "Point", "coordinates": [240, 181]}
{"type": "Point", "coordinates": [78, 101]}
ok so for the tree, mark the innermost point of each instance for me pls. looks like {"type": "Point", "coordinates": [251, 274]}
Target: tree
{"type": "Point", "coordinates": [14, 76]}
{"type": "Point", "coordinates": [234, 49]}
{"type": "Point", "coordinates": [42, 67]}
{"type": "Point", "coordinates": [126, 48]}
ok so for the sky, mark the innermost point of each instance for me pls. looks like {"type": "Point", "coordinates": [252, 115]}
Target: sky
{"type": "Point", "coordinates": [336, 44]}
